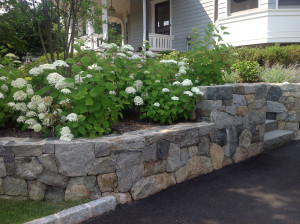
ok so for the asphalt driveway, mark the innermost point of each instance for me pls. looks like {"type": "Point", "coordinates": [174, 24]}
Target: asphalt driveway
{"type": "Point", "coordinates": [264, 189]}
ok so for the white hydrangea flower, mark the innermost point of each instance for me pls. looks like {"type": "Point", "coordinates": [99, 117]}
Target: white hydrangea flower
{"type": "Point", "coordinates": [182, 71]}
{"type": "Point", "coordinates": [54, 78]}
{"type": "Point", "coordinates": [188, 93]}
{"type": "Point", "coordinates": [157, 81]}
{"type": "Point", "coordinates": [129, 53]}
{"type": "Point", "coordinates": [30, 114]}
{"type": "Point", "coordinates": [197, 91]}
{"type": "Point", "coordinates": [65, 101]}
{"type": "Point", "coordinates": [175, 98]}
{"type": "Point", "coordinates": [138, 84]}
{"type": "Point", "coordinates": [19, 83]}
{"type": "Point", "coordinates": [21, 119]}
{"type": "Point", "coordinates": [46, 120]}
{"type": "Point", "coordinates": [20, 107]}
{"type": "Point", "coordinates": [2, 78]}
{"type": "Point", "coordinates": [4, 88]}
{"type": "Point", "coordinates": [127, 47]}
{"type": "Point", "coordinates": [95, 67]}
{"type": "Point", "coordinates": [145, 95]}
{"type": "Point", "coordinates": [41, 116]}
{"type": "Point", "coordinates": [48, 67]}
{"type": "Point", "coordinates": [196, 81]}
{"type": "Point", "coordinates": [138, 101]}
{"type": "Point", "coordinates": [60, 63]}
{"type": "Point", "coordinates": [11, 104]}
{"type": "Point", "coordinates": [122, 55]}
{"type": "Point", "coordinates": [176, 83]}
{"type": "Point", "coordinates": [36, 71]}
{"type": "Point", "coordinates": [165, 90]}
{"type": "Point", "coordinates": [187, 82]}
{"type": "Point", "coordinates": [1, 96]}
{"type": "Point", "coordinates": [135, 57]}
{"type": "Point", "coordinates": [146, 72]}
{"type": "Point", "coordinates": [37, 127]}
{"type": "Point", "coordinates": [130, 90]}
{"type": "Point", "coordinates": [149, 54]}
{"type": "Point", "coordinates": [182, 63]}
{"type": "Point", "coordinates": [112, 93]}
{"type": "Point", "coordinates": [31, 122]}
{"type": "Point", "coordinates": [171, 61]}
{"type": "Point", "coordinates": [156, 104]}
{"type": "Point", "coordinates": [20, 95]}
{"type": "Point", "coordinates": [42, 108]}
{"type": "Point", "coordinates": [131, 77]}
{"type": "Point", "coordinates": [66, 91]}
{"type": "Point", "coordinates": [66, 134]}
{"type": "Point", "coordinates": [89, 76]}
{"type": "Point", "coordinates": [10, 55]}
{"type": "Point", "coordinates": [72, 117]}
{"type": "Point", "coordinates": [29, 91]}
{"type": "Point", "coordinates": [31, 106]}
{"type": "Point", "coordinates": [108, 46]}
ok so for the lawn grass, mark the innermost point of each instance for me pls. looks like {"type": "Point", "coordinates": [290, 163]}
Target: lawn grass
{"type": "Point", "coordinates": [20, 211]}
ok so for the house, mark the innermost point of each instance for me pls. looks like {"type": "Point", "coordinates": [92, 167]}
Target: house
{"type": "Point", "coordinates": [167, 24]}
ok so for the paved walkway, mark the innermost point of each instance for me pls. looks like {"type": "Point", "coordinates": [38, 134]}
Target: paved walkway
{"type": "Point", "coordinates": [261, 190]}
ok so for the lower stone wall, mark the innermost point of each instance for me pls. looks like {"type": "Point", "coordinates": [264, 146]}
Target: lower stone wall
{"type": "Point", "coordinates": [137, 164]}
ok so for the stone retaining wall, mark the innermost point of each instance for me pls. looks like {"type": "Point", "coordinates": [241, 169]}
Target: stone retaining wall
{"type": "Point", "coordinates": [137, 164]}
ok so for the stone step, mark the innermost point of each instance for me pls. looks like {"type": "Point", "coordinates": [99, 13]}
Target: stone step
{"type": "Point", "coordinates": [276, 138]}
{"type": "Point", "coordinates": [271, 125]}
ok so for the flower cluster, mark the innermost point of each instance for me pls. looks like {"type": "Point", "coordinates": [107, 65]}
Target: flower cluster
{"type": "Point", "coordinates": [66, 134]}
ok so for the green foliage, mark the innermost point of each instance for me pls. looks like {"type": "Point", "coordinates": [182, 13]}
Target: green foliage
{"type": "Point", "coordinates": [247, 70]}
{"type": "Point", "coordinates": [279, 73]}
{"type": "Point", "coordinates": [270, 55]}
{"type": "Point", "coordinates": [209, 56]}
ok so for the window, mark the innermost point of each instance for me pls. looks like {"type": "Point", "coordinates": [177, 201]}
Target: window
{"type": "Point", "coordinates": [242, 5]}
{"type": "Point", "coordinates": [289, 3]}
{"type": "Point", "coordinates": [162, 18]}
{"type": "Point", "coordinates": [216, 10]}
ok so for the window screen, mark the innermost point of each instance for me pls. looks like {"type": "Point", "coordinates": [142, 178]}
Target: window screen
{"type": "Point", "coordinates": [290, 3]}
{"type": "Point", "coordinates": [241, 5]}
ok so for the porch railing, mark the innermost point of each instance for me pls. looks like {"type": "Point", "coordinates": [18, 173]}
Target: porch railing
{"type": "Point", "coordinates": [160, 42]}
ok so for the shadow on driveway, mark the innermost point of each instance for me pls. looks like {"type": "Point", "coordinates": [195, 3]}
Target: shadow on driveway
{"type": "Point", "coordinates": [264, 189]}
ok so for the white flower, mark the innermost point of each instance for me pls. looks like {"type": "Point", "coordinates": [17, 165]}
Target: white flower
{"type": "Point", "coordinates": [20, 107]}
{"type": "Point", "coordinates": [187, 82]}
{"type": "Point", "coordinates": [130, 90]}
{"type": "Point", "coordinates": [47, 66]}
{"type": "Point", "coordinates": [112, 93]}
{"type": "Point", "coordinates": [66, 91]}
{"type": "Point", "coordinates": [188, 93]}
{"type": "Point", "coordinates": [149, 54]}
{"type": "Point", "coordinates": [146, 72]}
{"type": "Point", "coordinates": [10, 55]}
{"type": "Point", "coordinates": [89, 76]}
{"type": "Point", "coordinates": [72, 117]}
{"type": "Point", "coordinates": [11, 104]}
{"type": "Point", "coordinates": [78, 79]}
{"type": "Point", "coordinates": [4, 88]}
{"type": "Point", "coordinates": [285, 83]}
{"type": "Point", "coordinates": [46, 120]}
{"type": "Point", "coordinates": [41, 116]}
{"type": "Point", "coordinates": [165, 90]}
{"type": "Point", "coordinates": [175, 98]}
{"type": "Point", "coordinates": [1, 96]}
{"type": "Point", "coordinates": [60, 63]}
{"type": "Point", "coordinates": [1, 66]}
{"type": "Point", "coordinates": [131, 77]}
{"type": "Point", "coordinates": [36, 71]}
{"type": "Point", "coordinates": [138, 84]}
{"type": "Point", "coordinates": [29, 91]}
{"type": "Point", "coordinates": [19, 83]}
{"type": "Point", "coordinates": [176, 83]}
{"type": "Point", "coordinates": [42, 108]}
{"type": "Point", "coordinates": [182, 71]}
{"type": "Point", "coordinates": [129, 53]}
{"type": "Point", "coordinates": [20, 95]}
{"type": "Point", "coordinates": [108, 46]}
{"type": "Point", "coordinates": [122, 55]}
{"type": "Point", "coordinates": [135, 57]}
{"type": "Point", "coordinates": [30, 114]}
{"type": "Point", "coordinates": [138, 101]}
{"type": "Point", "coordinates": [64, 101]}
{"type": "Point", "coordinates": [197, 91]}
{"type": "Point", "coordinates": [196, 81]}
{"type": "Point", "coordinates": [157, 81]}
{"type": "Point", "coordinates": [182, 63]}
{"type": "Point", "coordinates": [145, 95]}
{"type": "Point", "coordinates": [68, 137]}
{"type": "Point", "coordinates": [66, 134]}
{"type": "Point", "coordinates": [156, 104]}
{"type": "Point", "coordinates": [169, 61]}
{"type": "Point", "coordinates": [95, 67]}
{"type": "Point", "coordinates": [127, 47]}
{"type": "Point", "coordinates": [37, 127]}
{"type": "Point", "coordinates": [2, 78]}
{"type": "Point", "coordinates": [31, 122]}
{"type": "Point", "coordinates": [21, 119]}
{"type": "Point", "coordinates": [54, 78]}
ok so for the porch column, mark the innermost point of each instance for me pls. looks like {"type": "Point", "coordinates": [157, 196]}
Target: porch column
{"type": "Point", "coordinates": [90, 33]}
{"type": "Point", "coordinates": [104, 20]}
{"type": "Point", "coordinates": [145, 22]}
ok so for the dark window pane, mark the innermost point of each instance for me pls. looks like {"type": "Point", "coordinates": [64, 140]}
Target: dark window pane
{"type": "Point", "coordinates": [162, 18]}
{"type": "Point", "coordinates": [241, 5]}
{"type": "Point", "coordinates": [288, 2]}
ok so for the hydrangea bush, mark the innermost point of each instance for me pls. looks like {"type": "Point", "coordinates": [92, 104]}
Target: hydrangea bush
{"type": "Point", "coordinates": [83, 97]}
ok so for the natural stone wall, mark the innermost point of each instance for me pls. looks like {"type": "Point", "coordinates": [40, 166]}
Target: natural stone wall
{"type": "Point", "coordinates": [283, 105]}
{"type": "Point", "coordinates": [141, 163]}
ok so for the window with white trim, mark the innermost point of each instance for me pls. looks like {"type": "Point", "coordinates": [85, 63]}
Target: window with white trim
{"type": "Point", "coordinates": [242, 5]}
{"type": "Point", "coordinates": [289, 4]}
